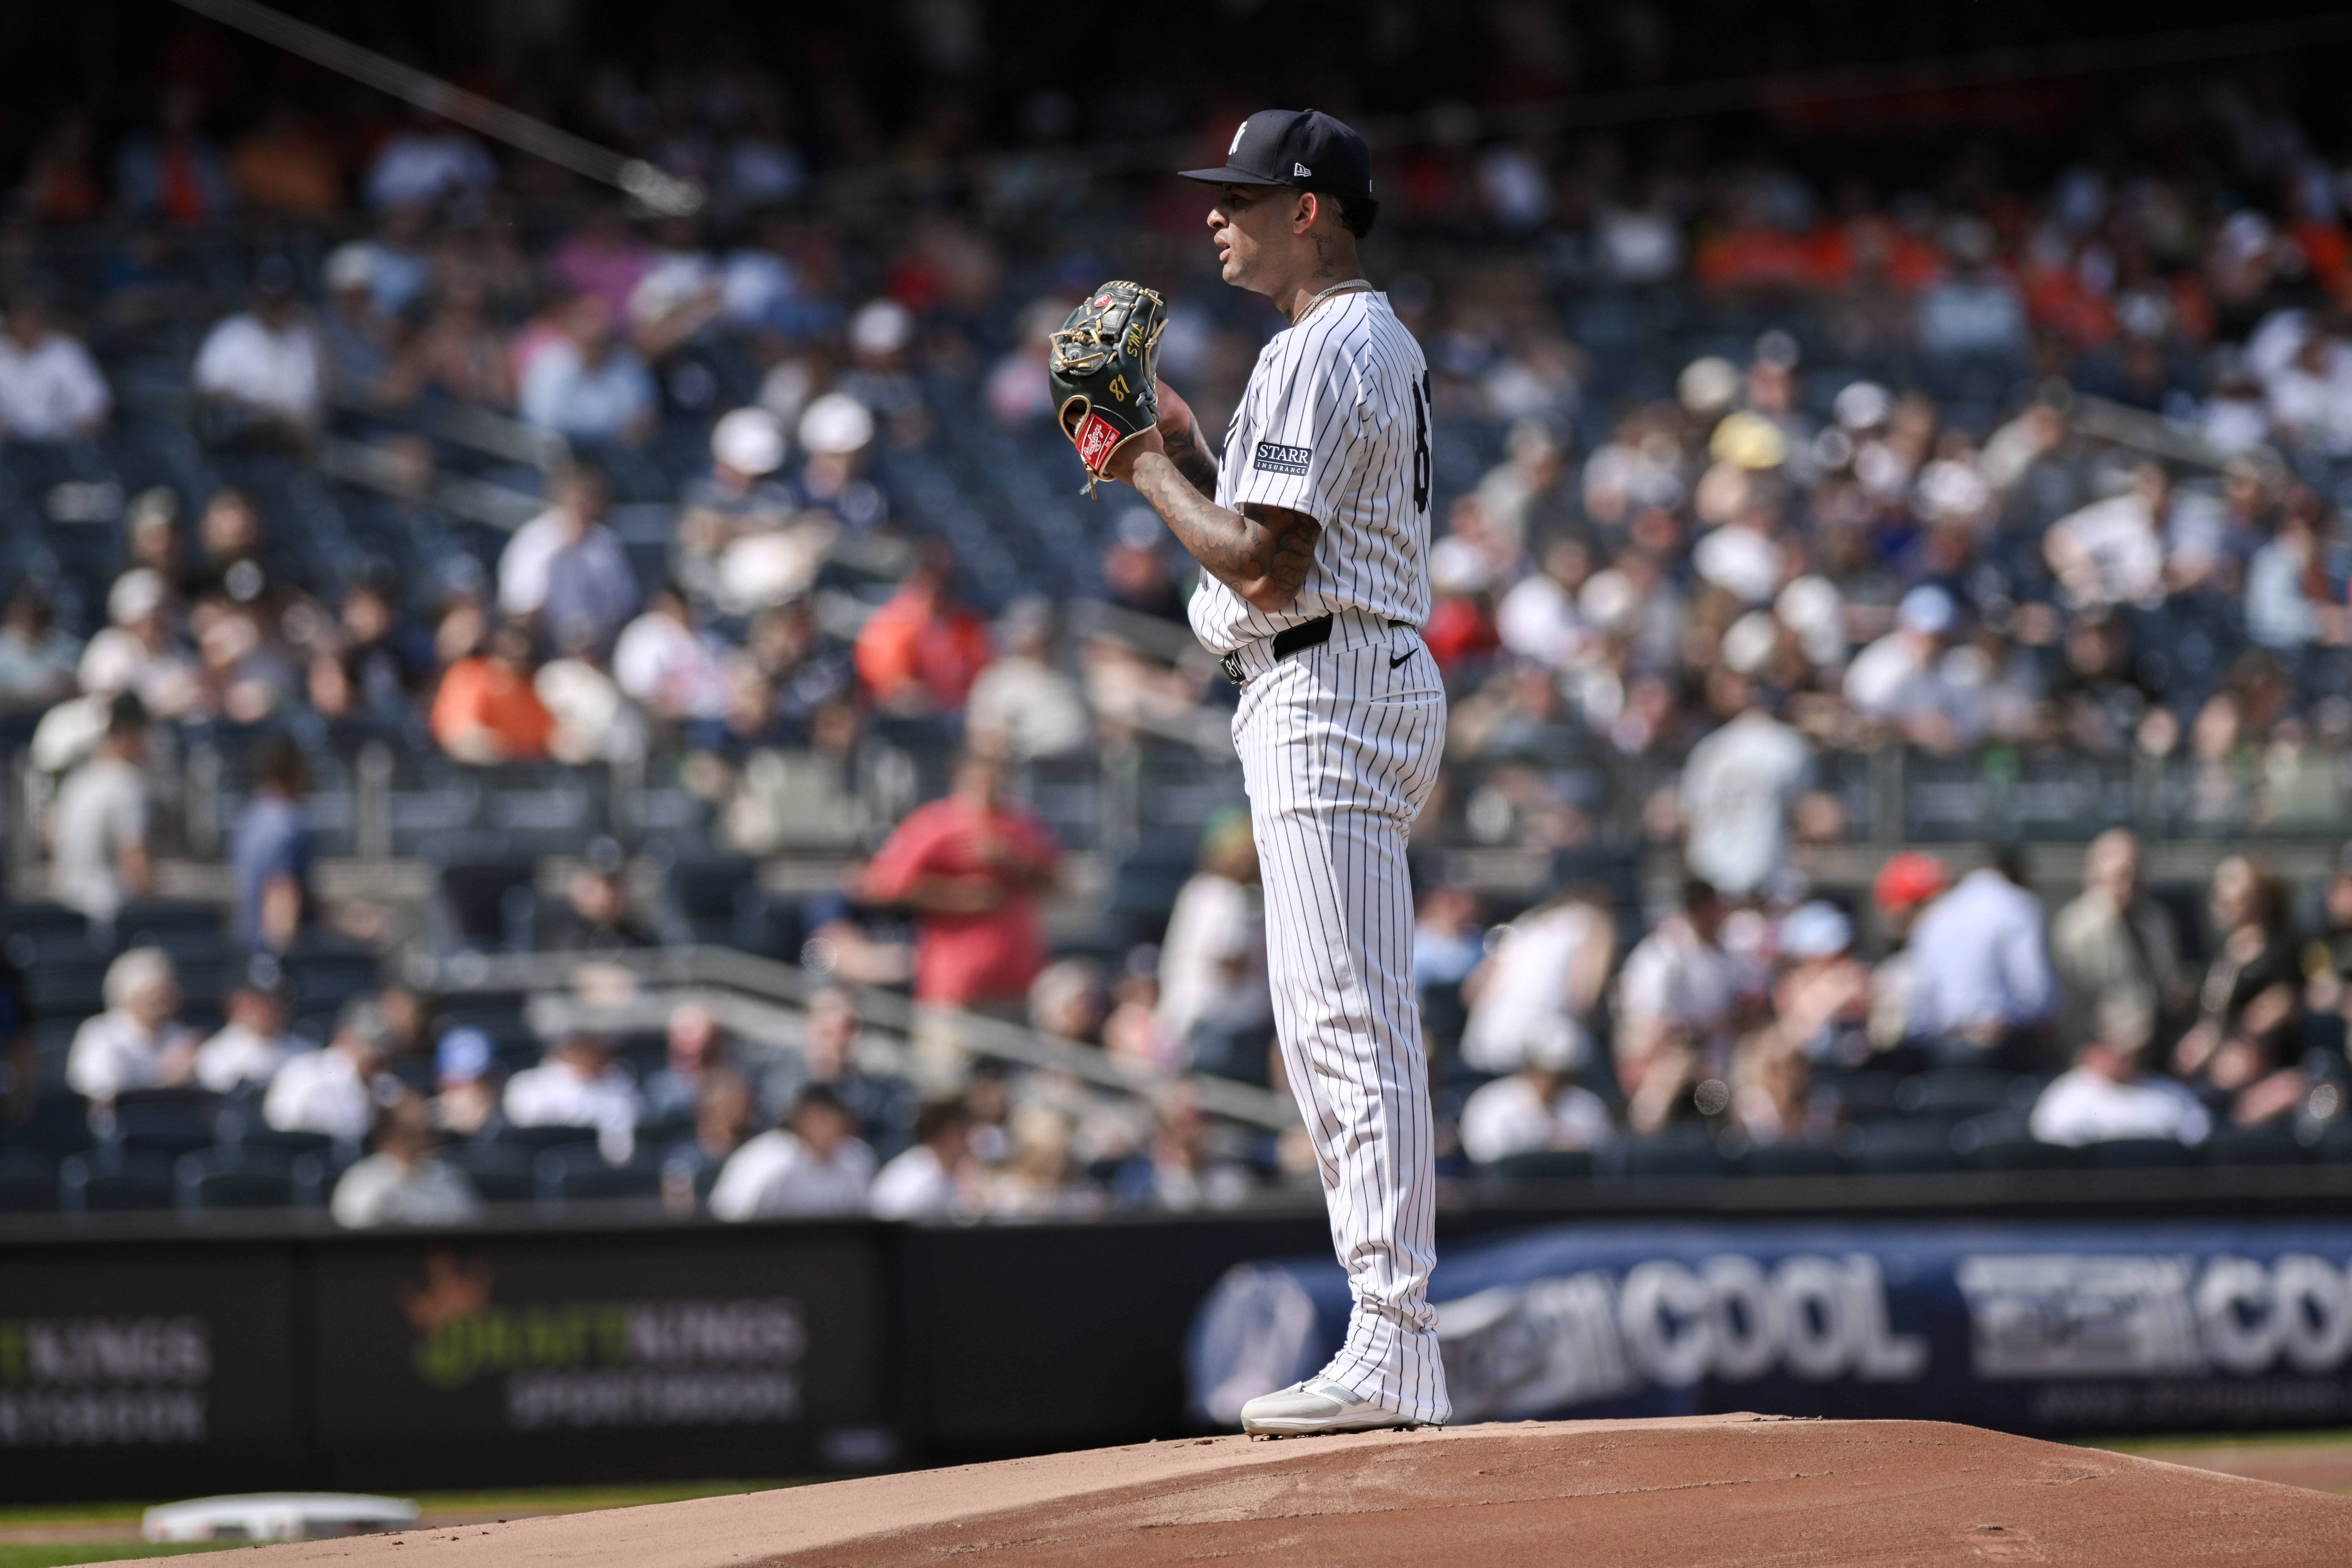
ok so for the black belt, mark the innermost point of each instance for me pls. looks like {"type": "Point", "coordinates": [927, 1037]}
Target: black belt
{"type": "Point", "coordinates": [1290, 640]}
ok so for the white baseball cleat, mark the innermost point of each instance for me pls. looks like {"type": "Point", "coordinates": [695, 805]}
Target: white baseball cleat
{"type": "Point", "coordinates": [1318, 1405]}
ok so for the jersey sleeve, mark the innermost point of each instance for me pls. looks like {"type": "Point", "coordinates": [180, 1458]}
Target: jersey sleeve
{"type": "Point", "coordinates": [1307, 430]}
{"type": "Point", "coordinates": [906, 856]}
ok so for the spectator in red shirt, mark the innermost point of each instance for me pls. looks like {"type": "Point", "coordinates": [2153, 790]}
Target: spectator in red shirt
{"type": "Point", "coordinates": [973, 867]}
{"type": "Point", "coordinates": [919, 653]}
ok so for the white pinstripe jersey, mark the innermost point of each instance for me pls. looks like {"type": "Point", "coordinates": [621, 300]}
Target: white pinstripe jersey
{"type": "Point", "coordinates": [1335, 423]}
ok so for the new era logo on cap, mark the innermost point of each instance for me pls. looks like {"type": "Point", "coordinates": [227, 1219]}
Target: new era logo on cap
{"type": "Point", "coordinates": [1302, 170]}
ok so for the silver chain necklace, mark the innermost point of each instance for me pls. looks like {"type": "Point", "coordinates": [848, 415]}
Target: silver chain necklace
{"type": "Point", "coordinates": [1335, 288]}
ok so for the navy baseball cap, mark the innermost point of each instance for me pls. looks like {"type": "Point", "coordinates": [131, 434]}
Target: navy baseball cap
{"type": "Point", "coordinates": [1304, 148]}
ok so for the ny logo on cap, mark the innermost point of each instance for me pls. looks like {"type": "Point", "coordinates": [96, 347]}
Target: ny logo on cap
{"type": "Point", "coordinates": [1302, 170]}
{"type": "Point", "coordinates": [1238, 135]}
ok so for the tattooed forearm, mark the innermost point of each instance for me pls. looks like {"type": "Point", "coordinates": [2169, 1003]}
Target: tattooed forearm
{"type": "Point", "coordinates": [1192, 459]}
{"type": "Point", "coordinates": [1261, 552]}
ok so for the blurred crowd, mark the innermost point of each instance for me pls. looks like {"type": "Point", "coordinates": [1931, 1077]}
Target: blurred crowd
{"type": "Point", "coordinates": [1975, 1015]}
{"type": "Point", "coordinates": [415, 1118]}
{"type": "Point", "coordinates": [1745, 460]}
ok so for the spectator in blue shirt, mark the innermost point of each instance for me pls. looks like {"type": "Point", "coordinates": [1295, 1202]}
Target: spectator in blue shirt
{"type": "Point", "coordinates": [1981, 980]}
{"type": "Point", "coordinates": [270, 848]}
{"type": "Point", "coordinates": [587, 386]}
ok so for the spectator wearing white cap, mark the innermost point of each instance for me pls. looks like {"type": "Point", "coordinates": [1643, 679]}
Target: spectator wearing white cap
{"type": "Point", "coordinates": [740, 497]}
{"type": "Point", "coordinates": [1902, 678]}
{"type": "Point", "coordinates": [50, 387]}
{"type": "Point", "coordinates": [835, 431]}
{"type": "Point", "coordinates": [138, 653]}
{"type": "Point", "coordinates": [135, 1044]}
{"type": "Point", "coordinates": [1541, 1105]}
{"type": "Point", "coordinates": [881, 332]}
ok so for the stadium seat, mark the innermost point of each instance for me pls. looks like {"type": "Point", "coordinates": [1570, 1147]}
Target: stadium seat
{"type": "Point", "coordinates": [656, 1137]}
{"type": "Point", "coordinates": [2135, 1154]}
{"type": "Point", "coordinates": [323, 982]}
{"type": "Point", "coordinates": [1545, 1166]}
{"type": "Point", "coordinates": [1671, 1158]}
{"type": "Point", "coordinates": [1896, 1146]}
{"type": "Point", "coordinates": [28, 1181]}
{"type": "Point", "coordinates": [239, 1177]}
{"type": "Point", "coordinates": [1959, 1092]}
{"type": "Point", "coordinates": [2253, 1146]}
{"type": "Point", "coordinates": [2334, 1144]}
{"type": "Point", "coordinates": [244, 1128]}
{"type": "Point", "coordinates": [1862, 1096]}
{"type": "Point", "coordinates": [167, 921]}
{"type": "Point", "coordinates": [501, 1173]}
{"type": "Point", "coordinates": [576, 1176]}
{"type": "Point", "coordinates": [107, 1180]}
{"type": "Point", "coordinates": [31, 946]}
{"type": "Point", "coordinates": [536, 1140]}
{"type": "Point", "coordinates": [503, 1021]}
{"type": "Point", "coordinates": [2000, 1141]}
{"type": "Point", "coordinates": [57, 1125]}
{"type": "Point", "coordinates": [165, 1120]}
{"type": "Point", "coordinates": [62, 987]}
{"type": "Point", "coordinates": [483, 906]}
{"type": "Point", "coordinates": [719, 901]}
{"type": "Point", "coordinates": [1789, 1159]}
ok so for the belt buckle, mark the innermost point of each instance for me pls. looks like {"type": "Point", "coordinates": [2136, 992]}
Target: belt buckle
{"type": "Point", "coordinates": [1231, 665]}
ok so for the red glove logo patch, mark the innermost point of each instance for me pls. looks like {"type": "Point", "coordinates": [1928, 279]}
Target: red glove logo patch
{"type": "Point", "coordinates": [1097, 437]}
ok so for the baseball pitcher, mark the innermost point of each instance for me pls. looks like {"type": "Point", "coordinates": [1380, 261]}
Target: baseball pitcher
{"type": "Point", "coordinates": [1313, 530]}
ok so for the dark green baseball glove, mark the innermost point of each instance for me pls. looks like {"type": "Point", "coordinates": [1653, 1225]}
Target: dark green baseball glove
{"type": "Point", "coordinates": [1102, 369]}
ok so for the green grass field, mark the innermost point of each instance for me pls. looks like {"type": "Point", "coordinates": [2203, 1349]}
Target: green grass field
{"type": "Point", "coordinates": [84, 1520]}
{"type": "Point", "coordinates": [58, 1556]}
{"type": "Point", "coordinates": [2167, 1447]}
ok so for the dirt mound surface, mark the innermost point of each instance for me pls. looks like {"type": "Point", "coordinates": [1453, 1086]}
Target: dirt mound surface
{"type": "Point", "coordinates": [1701, 1491]}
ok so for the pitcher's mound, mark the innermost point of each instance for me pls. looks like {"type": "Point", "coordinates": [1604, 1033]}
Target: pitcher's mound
{"type": "Point", "coordinates": [1697, 1491]}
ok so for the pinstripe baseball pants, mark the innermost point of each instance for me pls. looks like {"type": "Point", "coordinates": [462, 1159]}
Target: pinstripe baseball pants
{"type": "Point", "coordinates": [1340, 746]}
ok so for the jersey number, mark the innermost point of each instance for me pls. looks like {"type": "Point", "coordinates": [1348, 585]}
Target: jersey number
{"type": "Point", "coordinates": [1421, 445]}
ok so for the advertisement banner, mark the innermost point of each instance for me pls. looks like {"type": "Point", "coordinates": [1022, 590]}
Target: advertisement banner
{"type": "Point", "coordinates": [770, 1349]}
{"type": "Point", "coordinates": [170, 1354]}
{"type": "Point", "coordinates": [2049, 1328]}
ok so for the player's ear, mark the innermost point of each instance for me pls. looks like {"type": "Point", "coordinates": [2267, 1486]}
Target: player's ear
{"type": "Point", "coordinates": [1303, 216]}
